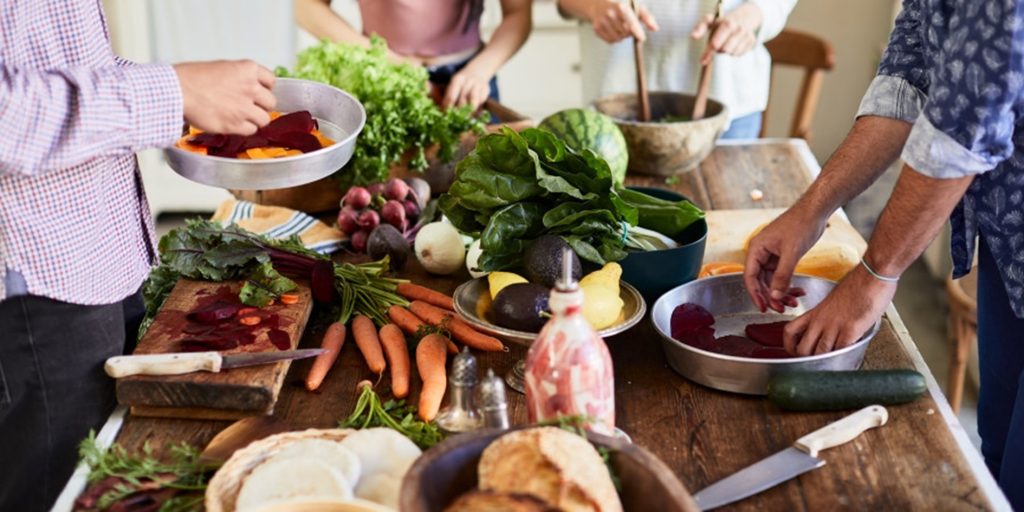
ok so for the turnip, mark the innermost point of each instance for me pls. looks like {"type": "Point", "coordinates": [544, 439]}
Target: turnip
{"type": "Point", "coordinates": [396, 189]}
{"type": "Point", "coordinates": [472, 257]}
{"type": "Point", "coordinates": [358, 240]}
{"type": "Point", "coordinates": [368, 220]}
{"type": "Point", "coordinates": [357, 197]}
{"type": "Point", "coordinates": [439, 248]}
{"type": "Point", "coordinates": [393, 212]}
{"type": "Point", "coordinates": [347, 220]}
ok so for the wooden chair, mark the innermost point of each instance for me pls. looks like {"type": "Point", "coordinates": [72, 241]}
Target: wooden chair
{"type": "Point", "coordinates": [963, 313]}
{"type": "Point", "coordinates": [815, 55]}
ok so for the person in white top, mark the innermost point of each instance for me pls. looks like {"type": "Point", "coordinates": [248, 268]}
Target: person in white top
{"type": "Point", "coordinates": [677, 45]}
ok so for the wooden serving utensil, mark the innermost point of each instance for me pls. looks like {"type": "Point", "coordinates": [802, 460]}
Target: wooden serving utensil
{"type": "Point", "coordinates": [641, 75]}
{"type": "Point", "coordinates": [238, 435]}
{"type": "Point", "coordinates": [700, 103]}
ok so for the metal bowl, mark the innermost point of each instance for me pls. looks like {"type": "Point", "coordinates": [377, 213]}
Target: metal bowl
{"type": "Point", "coordinates": [473, 304]}
{"type": "Point", "coordinates": [340, 117]}
{"type": "Point", "coordinates": [726, 298]}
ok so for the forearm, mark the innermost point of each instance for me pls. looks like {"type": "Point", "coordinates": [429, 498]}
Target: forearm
{"type": "Point", "coordinates": [64, 118]}
{"type": "Point", "coordinates": [872, 145]}
{"type": "Point", "coordinates": [317, 18]}
{"type": "Point", "coordinates": [578, 9]}
{"type": "Point", "coordinates": [916, 211]}
{"type": "Point", "coordinates": [508, 38]}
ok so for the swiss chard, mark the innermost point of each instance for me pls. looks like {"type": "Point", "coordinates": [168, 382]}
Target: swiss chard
{"type": "Point", "coordinates": [264, 285]}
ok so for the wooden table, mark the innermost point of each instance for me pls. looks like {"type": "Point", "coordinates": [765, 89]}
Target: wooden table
{"type": "Point", "coordinates": [921, 460]}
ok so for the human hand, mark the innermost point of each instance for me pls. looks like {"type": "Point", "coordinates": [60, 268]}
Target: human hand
{"type": "Point", "coordinates": [467, 87]}
{"type": "Point", "coordinates": [854, 305]}
{"type": "Point", "coordinates": [772, 256]}
{"type": "Point", "coordinates": [735, 33]}
{"type": "Point", "coordinates": [230, 97]}
{"type": "Point", "coordinates": [615, 21]}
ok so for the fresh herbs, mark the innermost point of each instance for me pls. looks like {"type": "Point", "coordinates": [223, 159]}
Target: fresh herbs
{"type": "Point", "coordinates": [116, 477]}
{"type": "Point", "coordinates": [208, 251]}
{"type": "Point", "coordinates": [371, 411]}
{"type": "Point", "coordinates": [515, 187]}
{"type": "Point", "coordinates": [400, 115]}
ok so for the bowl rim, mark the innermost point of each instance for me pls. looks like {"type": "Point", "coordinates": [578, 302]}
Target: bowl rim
{"type": "Point", "coordinates": [866, 339]}
{"type": "Point", "coordinates": [256, 163]}
{"type": "Point", "coordinates": [629, 122]}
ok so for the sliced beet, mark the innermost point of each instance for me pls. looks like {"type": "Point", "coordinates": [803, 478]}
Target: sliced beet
{"type": "Point", "coordinates": [689, 318]}
{"type": "Point", "coordinates": [739, 346]}
{"type": "Point", "coordinates": [209, 140]}
{"type": "Point", "coordinates": [769, 335]}
{"type": "Point", "coordinates": [300, 121]}
{"type": "Point", "coordinates": [280, 339]}
{"type": "Point", "coordinates": [199, 329]}
{"type": "Point", "coordinates": [302, 141]}
{"type": "Point", "coordinates": [214, 313]}
{"type": "Point", "coordinates": [322, 281]}
{"type": "Point", "coordinates": [246, 338]}
{"type": "Point", "coordinates": [703, 338]}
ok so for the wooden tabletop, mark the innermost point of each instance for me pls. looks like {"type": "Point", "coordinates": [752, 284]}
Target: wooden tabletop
{"type": "Point", "coordinates": [920, 460]}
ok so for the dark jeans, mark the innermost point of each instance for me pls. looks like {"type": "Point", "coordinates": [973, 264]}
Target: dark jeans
{"type": "Point", "coordinates": [441, 76]}
{"type": "Point", "coordinates": [1001, 397]}
{"type": "Point", "coordinates": [53, 389]}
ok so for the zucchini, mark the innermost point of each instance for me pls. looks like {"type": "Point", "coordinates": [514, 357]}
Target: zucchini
{"type": "Point", "coordinates": [833, 391]}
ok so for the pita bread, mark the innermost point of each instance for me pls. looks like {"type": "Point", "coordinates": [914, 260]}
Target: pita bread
{"type": "Point", "coordinates": [285, 479]}
{"type": "Point", "coordinates": [329, 452]}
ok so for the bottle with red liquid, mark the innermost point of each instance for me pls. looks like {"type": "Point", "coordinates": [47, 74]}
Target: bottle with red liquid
{"type": "Point", "coordinates": [568, 367]}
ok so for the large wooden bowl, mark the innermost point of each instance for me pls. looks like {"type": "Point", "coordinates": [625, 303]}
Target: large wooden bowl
{"type": "Point", "coordinates": [448, 470]}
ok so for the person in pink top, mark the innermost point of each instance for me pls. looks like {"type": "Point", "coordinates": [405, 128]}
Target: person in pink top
{"type": "Point", "coordinates": [76, 238]}
{"type": "Point", "coordinates": [443, 35]}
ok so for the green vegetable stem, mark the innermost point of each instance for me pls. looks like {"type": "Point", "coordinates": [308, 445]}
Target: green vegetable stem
{"type": "Point", "coordinates": [371, 411]}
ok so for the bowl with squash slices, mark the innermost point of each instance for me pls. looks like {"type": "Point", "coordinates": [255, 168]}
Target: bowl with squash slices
{"type": "Point", "coordinates": [311, 136]}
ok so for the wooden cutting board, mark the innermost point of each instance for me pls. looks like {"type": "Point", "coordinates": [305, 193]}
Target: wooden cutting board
{"type": "Point", "coordinates": [728, 231]}
{"type": "Point", "coordinates": [230, 394]}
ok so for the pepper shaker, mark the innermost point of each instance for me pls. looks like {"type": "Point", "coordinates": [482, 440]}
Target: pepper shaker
{"type": "Point", "coordinates": [460, 414]}
{"type": "Point", "coordinates": [493, 404]}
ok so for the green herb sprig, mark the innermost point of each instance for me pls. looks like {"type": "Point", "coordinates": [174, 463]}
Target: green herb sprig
{"type": "Point", "coordinates": [370, 411]}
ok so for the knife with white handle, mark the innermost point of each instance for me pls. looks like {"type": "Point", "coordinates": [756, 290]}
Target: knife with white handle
{"type": "Point", "coordinates": [791, 462]}
{"type": "Point", "coordinates": [189, 362]}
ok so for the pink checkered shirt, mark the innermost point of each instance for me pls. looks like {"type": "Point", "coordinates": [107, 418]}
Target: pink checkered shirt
{"type": "Point", "coordinates": [74, 221]}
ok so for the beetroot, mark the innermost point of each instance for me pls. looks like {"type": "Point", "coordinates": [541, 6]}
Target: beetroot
{"type": "Point", "coordinates": [689, 318]}
{"type": "Point", "coordinates": [321, 281]}
{"type": "Point", "coordinates": [280, 339]}
{"type": "Point", "coordinates": [214, 312]}
{"type": "Point", "coordinates": [736, 346]}
{"type": "Point", "coordinates": [302, 141]}
{"type": "Point", "coordinates": [300, 121]}
{"type": "Point", "coordinates": [769, 335]}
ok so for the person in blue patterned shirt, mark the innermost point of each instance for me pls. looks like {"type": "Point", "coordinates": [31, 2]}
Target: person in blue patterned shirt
{"type": "Point", "coordinates": [949, 99]}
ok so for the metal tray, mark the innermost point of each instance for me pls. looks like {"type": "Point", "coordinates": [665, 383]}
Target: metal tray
{"type": "Point", "coordinates": [341, 117]}
{"type": "Point", "coordinates": [726, 297]}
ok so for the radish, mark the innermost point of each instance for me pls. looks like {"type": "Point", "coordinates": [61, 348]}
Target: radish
{"type": "Point", "coordinates": [347, 220]}
{"type": "Point", "coordinates": [396, 189]}
{"type": "Point", "coordinates": [376, 189]}
{"type": "Point", "coordinates": [358, 241]}
{"type": "Point", "coordinates": [357, 197]}
{"type": "Point", "coordinates": [368, 220]}
{"type": "Point", "coordinates": [393, 213]}
{"type": "Point", "coordinates": [412, 210]}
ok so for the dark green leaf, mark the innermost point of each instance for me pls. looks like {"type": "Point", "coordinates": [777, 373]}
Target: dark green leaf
{"type": "Point", "coordinates": [263, 286]}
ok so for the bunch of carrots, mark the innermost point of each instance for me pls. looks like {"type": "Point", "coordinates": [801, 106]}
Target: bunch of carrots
{"type": "Point", "coordinates": [429, 314]}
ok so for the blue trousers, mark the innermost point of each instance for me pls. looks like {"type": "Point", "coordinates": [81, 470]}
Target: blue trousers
{"type": "Point", "coordinates": [746, 127]}
{"type": "Point", "coordinates": [1001, 395]}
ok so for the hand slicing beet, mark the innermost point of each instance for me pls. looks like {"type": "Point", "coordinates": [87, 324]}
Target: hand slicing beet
{"type": "Point", "coordinates": [693, 325]}
{"type": "Point", "coordinates": [769, 335]}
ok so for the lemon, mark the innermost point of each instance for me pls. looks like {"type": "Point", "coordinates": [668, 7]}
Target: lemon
{"type": "Point", "coordinates": [602, 305]}
{"type": "Point", "coordinates": [608, 275]}
{"type": "Point", "coordinates": [499, 280]}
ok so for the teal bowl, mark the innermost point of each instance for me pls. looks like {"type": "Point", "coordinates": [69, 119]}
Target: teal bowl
{"type": "Point", "coordinates": [655, 272]}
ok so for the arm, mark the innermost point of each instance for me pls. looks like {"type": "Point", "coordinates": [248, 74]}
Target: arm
{"type": "Point", "coordinates": [65, 117]}
{"type": "Point", "coordinates": [470, 85]}
{"type": "Point", "coordinates": [739, 30]}
{"type": "Point", "coordinates": [317, 18]}
{"type": "Point", "coordinates": [612, 21]}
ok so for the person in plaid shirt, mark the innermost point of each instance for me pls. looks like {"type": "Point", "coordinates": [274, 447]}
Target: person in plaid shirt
{"type": "Point", "coordinates": [76, 237]}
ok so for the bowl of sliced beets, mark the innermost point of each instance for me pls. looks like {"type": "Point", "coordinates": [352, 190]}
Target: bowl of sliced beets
{"type": "Point", "coordinates": [311, 135]}
{"type": "Point", "coordinates": [714, 335]}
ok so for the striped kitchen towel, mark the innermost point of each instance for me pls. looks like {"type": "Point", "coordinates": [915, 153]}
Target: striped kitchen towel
{"type": "Point", "coordinates": [279, 222]}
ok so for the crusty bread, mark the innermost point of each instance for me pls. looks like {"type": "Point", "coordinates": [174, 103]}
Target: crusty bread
{"type": "Point", "coordinates": [559, 467]}
{"type": "Point", "coordinates": [491, 501]}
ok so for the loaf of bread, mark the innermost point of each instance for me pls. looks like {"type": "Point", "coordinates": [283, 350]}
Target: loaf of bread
{"type": "Point", "coordinates": [491, 501]}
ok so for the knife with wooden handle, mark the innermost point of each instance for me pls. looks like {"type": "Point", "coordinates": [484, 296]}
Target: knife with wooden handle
{"type": "Point", "coordinates": [189, 362]}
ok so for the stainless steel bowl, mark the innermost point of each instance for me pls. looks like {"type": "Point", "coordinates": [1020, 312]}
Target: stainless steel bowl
{"type": "Point", "coordinates": [473, 300]}
{"type": "Point", "coordinates": [726, 298]}
{"type": "Point", "coordinates": [340, 116]}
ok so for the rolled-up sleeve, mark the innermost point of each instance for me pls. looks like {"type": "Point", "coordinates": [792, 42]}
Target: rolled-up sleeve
{"type": "Point", "coordinates": [774, 14]}
{"type": "Point", "coordinates": [966, 125]}
{"type": "Point", "coordinates": [900, 87]}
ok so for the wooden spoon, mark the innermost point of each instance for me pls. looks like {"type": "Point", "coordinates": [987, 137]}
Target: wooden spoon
{"type": "Point", "coordinates": [641, 75]}
{"type": "Point", "coordinates": [238, 435]}
{"type": "Point", "coordinates": [700, 104]}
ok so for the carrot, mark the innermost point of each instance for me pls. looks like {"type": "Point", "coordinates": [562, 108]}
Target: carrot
{"type": "Point", "coordinates": [417, 292]}
{"type": "Point", "coordinates": [410, 323]}
{"type": "Point", "coordinates": [460, 330]}
{"type": "Point", "coordinates": [365, 335]}
{"type": "Point", "coordinates": [393, 341]}
{"type": "Point", "coordinates": [289, 298]}
{"type": "Point", "coordinates": [431, 357]}
{"type": "Point", "coordinates": [247, 311]}
{"type": "Point", "coordinates": [250, 320]}
{"type": "Point", "coordinates": [333, 340]}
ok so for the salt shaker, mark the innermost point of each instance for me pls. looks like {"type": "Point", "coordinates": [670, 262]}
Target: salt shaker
{"type": "Point", "coordinates": [493, 405]}
{"type": "Point", "coordinates": [460, 415]}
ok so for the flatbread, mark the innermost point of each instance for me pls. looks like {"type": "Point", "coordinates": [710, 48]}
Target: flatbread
{"type": "Point", "coordinates": [331, 453]}
{"type": "Point", "coordinates": [382, 450]}
{"type": "Point", "coordinates": [288, 478]}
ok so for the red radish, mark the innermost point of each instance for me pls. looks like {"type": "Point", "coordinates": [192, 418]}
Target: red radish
{"type": "Point", "coordinates": [376, 189]}
{"type": "Point", "coordinates": [357, 197]}
{"type": "Point", "coordinates": [358, 241]}
{"type": "Point", "coordinates": [347, 220]}
{"type": "Point", "coordinates": [396, 189]}
{"type": "Point", "coordinates": [368, 220]}
{"type": "Point", "coordinates": [393, 213]}
{"type": "Point", "coordinates": [412, 210]}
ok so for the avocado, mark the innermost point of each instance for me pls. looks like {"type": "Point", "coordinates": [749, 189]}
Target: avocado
{"type": "Point", "coordinates": [518, 306]}
{"type": "Point", "coordinates": [543, 261]}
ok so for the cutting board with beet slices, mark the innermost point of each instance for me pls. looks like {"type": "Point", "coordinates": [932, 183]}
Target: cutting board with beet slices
{"type": "Point", "coordinates": [201, 315]}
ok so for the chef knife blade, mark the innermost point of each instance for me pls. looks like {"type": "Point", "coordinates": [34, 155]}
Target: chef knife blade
{"type": "Point", "coordinates": [791, 462]}
{"type": "Point", "coordinates": [177, 364]}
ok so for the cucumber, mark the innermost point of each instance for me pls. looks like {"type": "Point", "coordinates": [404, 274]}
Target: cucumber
{"type": "Point", "coordinates": [833, 391]}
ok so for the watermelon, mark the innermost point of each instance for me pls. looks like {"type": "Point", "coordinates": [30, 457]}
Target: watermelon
{"type": "Point", "coordinates": [588, 129]}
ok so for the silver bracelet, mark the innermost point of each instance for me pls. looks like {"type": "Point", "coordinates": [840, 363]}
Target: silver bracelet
{"type": "Point", "coordinates": [876, 275]}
